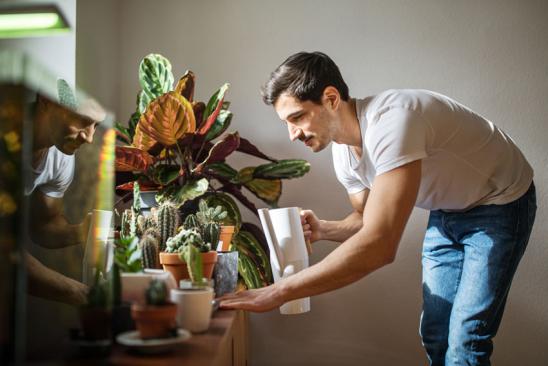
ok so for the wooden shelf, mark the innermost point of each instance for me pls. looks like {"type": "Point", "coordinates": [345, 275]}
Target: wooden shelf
{"type": "Point", "coordinates": [224, 344]}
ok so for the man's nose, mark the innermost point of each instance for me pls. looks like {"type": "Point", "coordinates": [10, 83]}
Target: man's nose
{"type": "Point", "coordinates": [87, 134]}
{"type": "Point", "coordinates": [294, 132]}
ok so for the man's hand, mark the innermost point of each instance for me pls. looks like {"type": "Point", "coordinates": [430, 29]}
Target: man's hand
{"type": "Point", "coordinates": [257, 300]}
{"type": "Point", "coordinates": [311, 226]}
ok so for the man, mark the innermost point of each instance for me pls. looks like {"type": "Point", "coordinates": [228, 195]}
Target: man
{"type": "Point", "coordinates": [58, 133]}
{"type": "Point", "coordinates": [394, 151]}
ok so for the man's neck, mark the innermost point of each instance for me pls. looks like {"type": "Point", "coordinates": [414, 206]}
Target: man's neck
{"type": "Point", "coordinates": [349, 127]}
{"type": "Point", "coordinates": [41, 134]}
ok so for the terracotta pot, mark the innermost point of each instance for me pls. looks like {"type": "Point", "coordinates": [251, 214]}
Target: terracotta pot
{"type": "Point", "coordinates": [154, 321]}
{"type": "Point", "coordinates": [177, 267]}
{"type": "Point", "coordinates": [226, 236]}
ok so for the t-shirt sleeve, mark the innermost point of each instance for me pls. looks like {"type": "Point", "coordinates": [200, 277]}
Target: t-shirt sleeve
{"type": "Point", "coordinates": [397, 137]}
{"type": "Point", "coordinates": [62, 179]}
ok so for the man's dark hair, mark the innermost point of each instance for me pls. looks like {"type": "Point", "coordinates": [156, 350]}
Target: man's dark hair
{"type": "Point", "coordinates": [304, 76]}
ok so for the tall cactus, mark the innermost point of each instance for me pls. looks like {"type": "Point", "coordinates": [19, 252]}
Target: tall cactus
{"type": "Point", "coordinates": [129, 225]}
{"type": "Point", "coordinates": [150, 251]}
{"type": "Point", "coordinates": [168, 220]}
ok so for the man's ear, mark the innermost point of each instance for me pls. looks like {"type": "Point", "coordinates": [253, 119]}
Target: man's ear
{"type": "Point", "coordinates": [331, 98]}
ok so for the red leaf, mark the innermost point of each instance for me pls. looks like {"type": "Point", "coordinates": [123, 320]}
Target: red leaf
{"type": "Point", "coordinates": [221, 150]}
{"type": "Point", "coordinates": [248, 148]}
{"type": "Point", "coordinates": [204, 129]}
{"type": "Point", "coordinates": [131, 159]}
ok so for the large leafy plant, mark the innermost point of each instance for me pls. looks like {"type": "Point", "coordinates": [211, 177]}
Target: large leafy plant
{"type": "Point", "coordinates": [178, 146]}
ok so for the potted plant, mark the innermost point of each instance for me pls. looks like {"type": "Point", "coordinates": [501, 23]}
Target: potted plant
{"type": "Point", "coordinates": [156, 318]}
{"type": "Point", "coordinates": [188, 256]}
{"type": "Point", "coordinates": [96, 314]}
{"type": "Point", "coordinates": [176, 145]}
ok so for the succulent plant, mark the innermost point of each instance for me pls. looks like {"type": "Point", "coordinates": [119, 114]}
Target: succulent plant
{"type": "Point", "coordinates": [150, 250]}
{"type": "Point", "coordinates": [168, 221]}
{"type": "Point", "coordinates": [207, 214]}
{"type": "Point", "coordinates": [156, 293]}
{"type": "Point", "coordinates": [211, 233]}
{"type": "Point", "coordinates": [191, 222]}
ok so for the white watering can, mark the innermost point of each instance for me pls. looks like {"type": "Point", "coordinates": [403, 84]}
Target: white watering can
{"type": "Point", "coordinates": [288, 250]}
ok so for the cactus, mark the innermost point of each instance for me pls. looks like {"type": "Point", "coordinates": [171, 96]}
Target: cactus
{"type": "Point", "coordinates": [129, 224]}
{"type": "Point", "coordinates": [156, 293]}
{"type": "Point", "coordinates": [168, 220]}
{"type": "Point", "coordinates": [211, 233]}
{"type": "Point", "coordinates": [150, 251]}
{"type": "Point", "coordinates": [150, 223]}
{"type": "Point", "coordinates": [140, 225]}
{"type": "Point", "coordinates": [191, 222]}
{"type": "Point", "coordinates": [207, 214]}
{"type": "Point", "coordinates": [191, 255]}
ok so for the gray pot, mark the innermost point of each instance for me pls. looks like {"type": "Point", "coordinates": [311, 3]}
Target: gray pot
{"type": "Point", "coordinates": [225, 274]}
{"type": "Point", "coordinates": [147, 200]}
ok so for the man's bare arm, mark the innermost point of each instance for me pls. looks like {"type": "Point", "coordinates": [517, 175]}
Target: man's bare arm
{"type": "Point", "coordinates": [48, 284]}
{"type": "Point", "coordinates": [387, 210]}
{"type": "Point", "coordinates": [340, 231]}
{"type": "Point", "coordinates": [49, 227]}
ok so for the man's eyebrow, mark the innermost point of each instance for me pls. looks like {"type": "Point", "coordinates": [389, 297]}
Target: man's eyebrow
{"type": "Point", "coordinates": [294, 114]}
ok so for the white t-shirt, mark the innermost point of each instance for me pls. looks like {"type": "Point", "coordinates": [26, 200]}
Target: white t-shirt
{"type": "Point", "coordinates": [466, 160]}
{"type": "Point", "coordinates": [53, 174]}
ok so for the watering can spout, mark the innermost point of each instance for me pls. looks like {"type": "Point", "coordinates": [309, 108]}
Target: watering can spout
{"type": "Point", "coordinates": [276, 256]}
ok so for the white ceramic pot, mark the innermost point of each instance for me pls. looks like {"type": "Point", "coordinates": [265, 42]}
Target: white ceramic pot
{"type": "Point", "coordinates": [193, 308]}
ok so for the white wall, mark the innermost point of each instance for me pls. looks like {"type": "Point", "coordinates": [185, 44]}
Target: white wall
{"type": "Point", "coordinates": [490, 55]}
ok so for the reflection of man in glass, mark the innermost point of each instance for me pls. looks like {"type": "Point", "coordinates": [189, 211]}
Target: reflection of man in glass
{"type": "Point", "coordinates": [58, 133]}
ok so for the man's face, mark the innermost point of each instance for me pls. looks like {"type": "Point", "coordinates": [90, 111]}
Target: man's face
{"type": "Point", "coordinates": [306, 121]}
{"type": "Point", "coordinates": [70, 131]}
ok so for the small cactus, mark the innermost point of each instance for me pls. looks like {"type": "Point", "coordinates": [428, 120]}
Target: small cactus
{"type": "Point", "coordinates": [211, 233]}
{"type": "Point", "coordinates": [207, 214]}
{"type": "Point", "coordinates": [156, 293]}
{"type": "Point", "coordinates": [149, 250]}
{"type": "Point", "coordinates": [191, 222]}
{"type": "Point", "coordinates": [168, 220]}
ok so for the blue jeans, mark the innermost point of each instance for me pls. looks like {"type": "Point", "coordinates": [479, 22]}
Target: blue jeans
{"type": "Point", "coordinates": [469, 259]}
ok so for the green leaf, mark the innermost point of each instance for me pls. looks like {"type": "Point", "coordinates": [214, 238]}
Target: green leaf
{"type": "Point", "coordinates": [222, 122]}
{"type": "Point", "coordinates": [166, 174]}
{"type": "Point", "coordinates": [179, 195]}
{"type": "Point", "coordinates": [282, 169]}
{"type": "Point", "coordinates": [223, 170]}
{"type": "Point", "coordinates": [155, 77]}
{"type": "Point", "coordinates": [215, 100]}
{"type": "Point", "coordinates": [135, 256]}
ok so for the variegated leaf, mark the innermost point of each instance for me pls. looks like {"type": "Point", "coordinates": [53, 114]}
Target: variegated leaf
{"type": "Point", "coordinates": [132, 159]}
{"type": "Point", "coordinates": [268, 190]}
{"type": "Point", "coordinates": [165, 120]}
{"type": "Point", "coordinates": [185, 85]}
{"type": "Point", "coordinates": [220, 150]}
